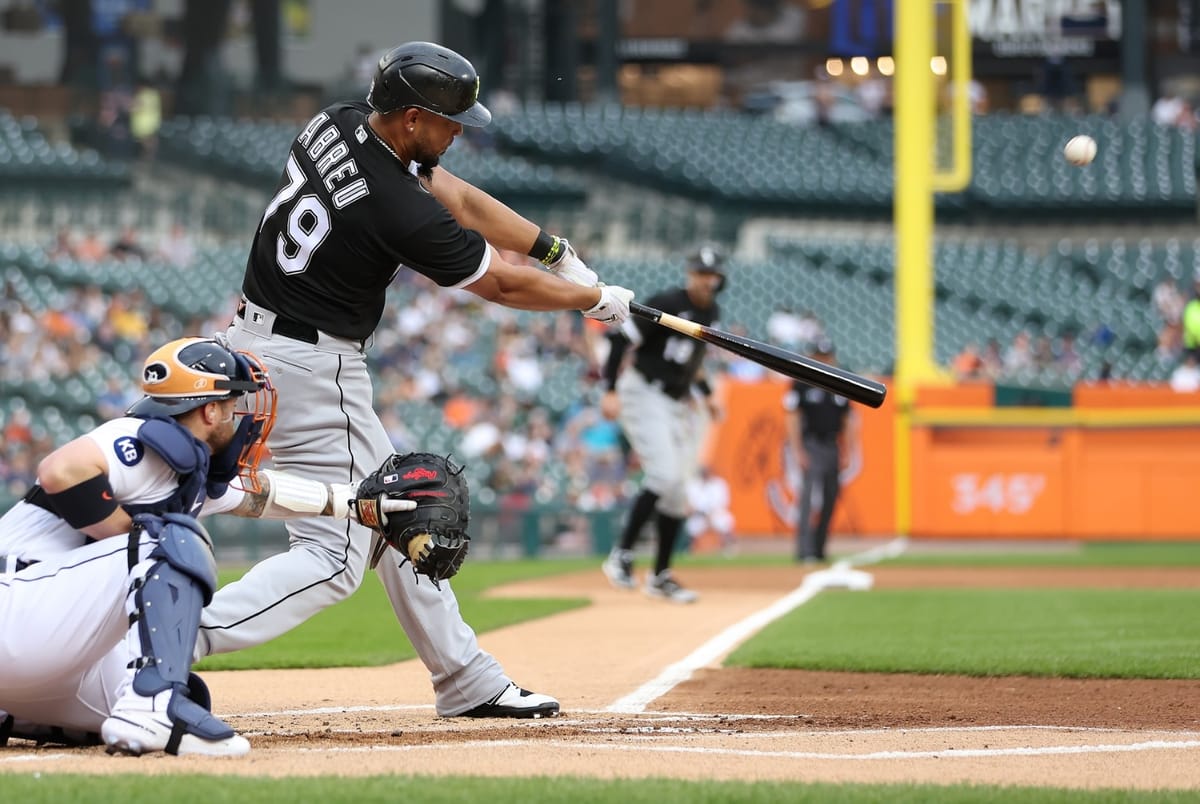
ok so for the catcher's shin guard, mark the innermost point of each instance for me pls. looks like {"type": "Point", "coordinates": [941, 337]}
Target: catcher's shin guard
{"type": "Point", "coordinates": [168, 601]}
{"type": "Point", "coordinates": [165, 608]}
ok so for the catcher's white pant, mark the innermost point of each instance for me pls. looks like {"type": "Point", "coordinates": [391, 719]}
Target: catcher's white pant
{"type": "Point", "coordinates": [63, 624]}
{"type": "Point", "coordinates": [666, 434]}
{"type": "Point", "coordinates": [327, 430]}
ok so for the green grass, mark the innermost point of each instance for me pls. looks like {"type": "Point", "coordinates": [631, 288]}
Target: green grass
{"type": "Point", "coordinates": [197, 789]}
{"type": "Point", "coordinates": [362, 631]}
{"type": "Point", "coordinates": [933, 553]}
{"type": "Point", "coordinates": [1077, 632]}
{"type": "Point", "coordinates": [1082, 633]}
{"type": "Point", "coordinates": [1068, 554]}
{"type": "Point", "coordinates": [1117, 633]}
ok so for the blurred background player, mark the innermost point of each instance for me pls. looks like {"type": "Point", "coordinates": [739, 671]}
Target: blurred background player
{"type": "Point", "coordinates": [818, 431]}
{"type": "Point", "coordinates": [708, 509]}
{"type": "Point", "coordinates": [664, 404]}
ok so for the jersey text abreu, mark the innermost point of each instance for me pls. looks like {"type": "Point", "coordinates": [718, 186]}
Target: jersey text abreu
{"type": "Point", "coordinates": [347, 214]}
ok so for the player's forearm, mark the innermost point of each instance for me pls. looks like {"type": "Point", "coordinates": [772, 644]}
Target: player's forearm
{"type": "Point", "coordinates": [524, 287]}
{"type": "Point", "coordinates": [475, 209]}
{"type": "Point", "coordinates": [285, 496]}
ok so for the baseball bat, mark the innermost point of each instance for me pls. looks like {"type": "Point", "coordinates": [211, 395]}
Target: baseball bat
{"type": "Point", "coordinates": [790, 364]}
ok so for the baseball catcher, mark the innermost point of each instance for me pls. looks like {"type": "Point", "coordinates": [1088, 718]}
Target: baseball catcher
{"type": "Point", "coordinates": [433, 536]}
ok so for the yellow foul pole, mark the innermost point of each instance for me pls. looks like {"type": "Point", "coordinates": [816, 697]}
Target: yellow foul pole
{"type": "Point", "coordinates": [913, 215]}
{"type": "Point", "coordinates": [916, 179]}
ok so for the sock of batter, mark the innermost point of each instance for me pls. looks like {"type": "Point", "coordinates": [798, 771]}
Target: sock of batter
{"type": "Point", "coordinates": [639, 515]}
{"type": "Point", "coordinates": [668, 533]}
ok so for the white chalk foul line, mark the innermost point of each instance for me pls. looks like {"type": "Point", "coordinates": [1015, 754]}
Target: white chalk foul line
{"type": "Point", "coordinates": [36, 758]}
{"type": "Point", "coordinates": [874, 756]}
{"type": "Point", "coordinates": [731, 637]}
{"type": "Point", "coordinates": [334, 710]}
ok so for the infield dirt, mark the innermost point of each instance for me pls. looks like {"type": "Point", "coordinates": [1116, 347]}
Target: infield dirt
{"type": "Point", "coordinates": [718, 724]}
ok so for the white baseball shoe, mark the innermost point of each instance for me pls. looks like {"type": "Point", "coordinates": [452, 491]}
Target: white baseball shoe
{"type": "Point", "coordinates": [169, 722]}
{"type": "Point", "coordinates": [513, 701]}
{"type": "Point", "coordinates": [663, 585]}
{"type": "Point", "coordinates": [618, 568]}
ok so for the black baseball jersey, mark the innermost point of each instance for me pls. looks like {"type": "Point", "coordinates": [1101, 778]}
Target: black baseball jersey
{"type": "Point", "coordinates": [824, 413]}
{"type": "Point", "coordinates": [670, 357]}
{"type": "Point", "coordinates": [347, 215]}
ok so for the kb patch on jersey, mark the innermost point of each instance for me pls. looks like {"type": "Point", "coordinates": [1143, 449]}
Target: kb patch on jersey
{"type": "Point", "coordinates": [129, 450]}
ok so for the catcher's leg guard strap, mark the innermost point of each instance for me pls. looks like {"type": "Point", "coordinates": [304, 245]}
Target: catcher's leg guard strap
{"type": "Point", "coordinates": [189, 711]}
{"type": "Point", "coordinates": [168, 603]}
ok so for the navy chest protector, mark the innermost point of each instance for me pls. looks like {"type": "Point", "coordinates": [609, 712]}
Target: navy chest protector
{"type": "Point", "coordinates": [186, 455]}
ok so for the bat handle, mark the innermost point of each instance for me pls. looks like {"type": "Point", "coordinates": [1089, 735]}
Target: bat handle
{"type": "Point", "coordinates": [642, 311]}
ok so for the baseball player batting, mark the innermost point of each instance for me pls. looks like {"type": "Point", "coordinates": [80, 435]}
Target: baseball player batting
{"type": "Point", "coordinates": [362, 196]}
{"type": "Point", "coordinates": [104, 569]}
{"type": "Point", "coordinates": [663, 403]}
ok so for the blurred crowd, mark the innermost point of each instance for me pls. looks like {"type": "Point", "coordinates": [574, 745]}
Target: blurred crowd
{"type": "Point", "coordinates": [512, 394]}
{"type": "Point", "coordinates": [452, 372]}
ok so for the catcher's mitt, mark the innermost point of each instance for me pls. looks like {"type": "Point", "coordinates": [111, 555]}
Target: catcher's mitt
{"type": "Point", "coordinates": [434, 535]}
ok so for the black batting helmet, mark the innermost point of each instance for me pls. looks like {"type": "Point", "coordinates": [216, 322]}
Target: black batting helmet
{"type": "Point", "coordinates": [429, 77]}
{"type": "Point", "coordinates": [190, 372]}
{"type": "Point", "coordinates": [707, 260]}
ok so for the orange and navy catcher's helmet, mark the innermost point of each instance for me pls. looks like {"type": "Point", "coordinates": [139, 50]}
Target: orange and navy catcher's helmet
{"type": "Point", "coordinates": [190, 372]}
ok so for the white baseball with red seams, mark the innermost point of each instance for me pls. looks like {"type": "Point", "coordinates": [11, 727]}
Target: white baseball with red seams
{"type": "Point", "coordinates": [1080, 150]}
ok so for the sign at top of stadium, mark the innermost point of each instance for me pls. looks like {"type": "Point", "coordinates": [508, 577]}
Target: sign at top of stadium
{"type": "Point", "coordinates": [1045, 27]}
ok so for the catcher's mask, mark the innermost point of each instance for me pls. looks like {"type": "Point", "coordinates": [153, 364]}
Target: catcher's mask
{"type": "Point", "coordinates": [707, 260]}
{"type": "Point", "coordinates": [429, 77]}
{"type": "Point", "coordinates": [190, 372]}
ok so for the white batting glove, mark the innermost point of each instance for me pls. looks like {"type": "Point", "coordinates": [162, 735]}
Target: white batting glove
{"type": "Point", "coordinates": [571, 268]}
{"type": "Point", "coordinates": [613, 307]}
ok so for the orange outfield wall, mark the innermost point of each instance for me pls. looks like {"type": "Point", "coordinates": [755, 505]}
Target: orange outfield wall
{"type": "Point", "coordinates": [1122, 464]}
{"type": "Point", "coordinates": [749, 449]}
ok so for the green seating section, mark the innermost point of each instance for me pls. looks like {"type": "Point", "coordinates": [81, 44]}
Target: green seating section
{"type": "Point", "coordinates": [992, 289]}
{"type": "Point", "coordinates": [254, 152]}
{"type": "Point", "coordinates": [717, 156]}
{"type": "Point", "coordinates": [27, 156]}
{"type": "Point", "coordinates": [984, 289]}
{"type": "Point", "coordinates": [1018, 167]}
{"type": "Point", "coordinates": [1018, 164]}
{"type": "Point", "coordinates": [201, 289]}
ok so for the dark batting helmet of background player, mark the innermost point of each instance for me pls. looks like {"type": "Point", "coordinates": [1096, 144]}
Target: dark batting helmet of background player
{"type": "Point", "coordinates": [708, 260]}
{"type": "Point", "coordinates": [429, 77]}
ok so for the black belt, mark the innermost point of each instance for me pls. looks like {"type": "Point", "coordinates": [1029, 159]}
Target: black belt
{"type": "Point", "coordinates": [296, 330]}
{"type": "Point", "coordinates": [675, 392]}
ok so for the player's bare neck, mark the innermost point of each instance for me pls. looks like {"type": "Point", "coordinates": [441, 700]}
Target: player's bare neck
{"type": "Point", "coordinates": [387, 131]}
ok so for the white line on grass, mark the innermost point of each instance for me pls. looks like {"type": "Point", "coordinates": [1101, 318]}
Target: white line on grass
{"type": "Point", "coordinates": [737, 633]}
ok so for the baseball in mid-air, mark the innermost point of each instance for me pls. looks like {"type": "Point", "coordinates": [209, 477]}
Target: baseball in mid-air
{"type": "Point", "coordinates": [1080, 150]}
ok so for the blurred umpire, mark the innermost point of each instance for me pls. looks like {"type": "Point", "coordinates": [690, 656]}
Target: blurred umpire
{"type": "Point", "coordinates": [664, 403]}
{"type": "Point", "coordinates": [818, 432]}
